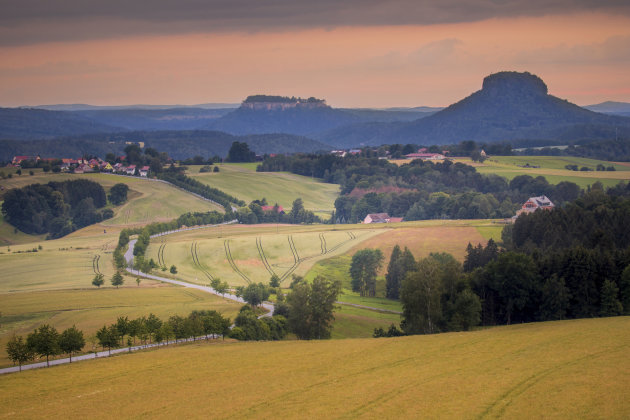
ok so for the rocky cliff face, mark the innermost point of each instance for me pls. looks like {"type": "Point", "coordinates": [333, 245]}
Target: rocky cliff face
{"type": "Point", "coordinates": [514, 84]}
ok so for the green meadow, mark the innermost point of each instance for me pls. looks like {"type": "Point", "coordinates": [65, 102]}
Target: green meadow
{"type": "Point", "coordinates": [243, 182]}
{"type": "Point", "coordinates": [553, 169]}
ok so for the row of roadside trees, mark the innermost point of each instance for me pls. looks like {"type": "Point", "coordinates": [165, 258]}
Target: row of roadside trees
{"type": "Point", "coordinates": [45, 341]}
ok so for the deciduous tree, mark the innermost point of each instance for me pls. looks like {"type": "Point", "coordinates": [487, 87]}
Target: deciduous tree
{"type": "Point", "coordinates": [19, 351]}
{"type": "Point", "coordinates": [71, 341]}
{"type": "Point", "coordinates": [363, 270]}
{"type": "Point", "coordinates": [44, 341]}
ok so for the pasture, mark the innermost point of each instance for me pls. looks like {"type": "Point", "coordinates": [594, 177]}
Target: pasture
{"type": "Point", "coordinates": [148, 201]}
{"type": "Point", "coordinates": [564, 369]}
{"type": "Point", "coordinates": [243, 182]}
{"type": "Point", "coordinates": [553, 169]}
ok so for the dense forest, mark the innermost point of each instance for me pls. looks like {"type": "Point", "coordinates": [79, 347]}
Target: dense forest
{"type": "Point", "coordinates": [420, 189]}
{"type": "Point", "coordinates": [56, 208]}
{"type": "Point", "coordinates": [571, 262]}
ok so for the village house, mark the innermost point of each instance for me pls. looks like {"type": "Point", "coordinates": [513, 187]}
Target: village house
{"type": "Point", "coordinates": [144, 171]}
{"type": "Point", "coordinates": [278, 209]}
{"type": "Point", "coordinates": [534, 203]}
{"type": "Point", "coordinates": [425, 156]}
{"type": "Point", "coordinates": [131, 170]}
{"type": "Point", "coordinates": [381, 218]}
{"type": "Point", "coordinates": [19, 159]}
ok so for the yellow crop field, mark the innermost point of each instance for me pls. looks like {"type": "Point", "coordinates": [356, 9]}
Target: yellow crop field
{"type": "Point", "coordinates": [90, 309]}
{"type": "Point", "coordinates": [566, 369]}
{"type": "Point", "coordinates": [240, 255]}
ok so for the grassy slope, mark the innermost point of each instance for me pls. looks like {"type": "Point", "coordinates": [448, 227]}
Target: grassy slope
{"type": "Point", "coordinates": [241, 181]}
{"type": "Point", "coordinates": [552, 168]}
{"type": "Point", "coordinates": [148, 201]}
{"type": "Point", "coordinates": [567, 369]}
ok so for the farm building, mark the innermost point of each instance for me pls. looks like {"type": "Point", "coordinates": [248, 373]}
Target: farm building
{"type": "Point", "coordinates": [381, 218]}
{"type": "Point", "coordinates": [534, 203]}
{"type": "Point", "coordinates": [425, 156]}
{"type": "Point", "coordinates": [278, 209]}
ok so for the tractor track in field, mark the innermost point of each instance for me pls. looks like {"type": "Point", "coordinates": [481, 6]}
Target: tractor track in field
{"type": "Point", "coordinates": [263, 257]}
{"type": "Point", "coordinates": [296, 258]}
{"type": "Point", "coordinates": [228, 254]}
{"type": "Point", "coordinates": [322, 241]}
{"type": "Point", "coordinates": [195, 257]}
{"type": "Point", "coordinates": [95, 261]}
{"type": "Point", "coordinates": [160, 254]}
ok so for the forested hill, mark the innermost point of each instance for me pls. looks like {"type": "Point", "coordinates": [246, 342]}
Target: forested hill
{"type": "Point", "coordinates": [510, 106]}
{"type": "Point", "coordinates": [27, 123]}
{"type": "Point", "coordinates": [178, 144]}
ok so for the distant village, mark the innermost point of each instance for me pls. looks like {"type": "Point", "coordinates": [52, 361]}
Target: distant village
{"type": "Point", "coordinates": [81, 165]}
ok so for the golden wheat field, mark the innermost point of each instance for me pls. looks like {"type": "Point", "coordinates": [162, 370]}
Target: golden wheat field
{"type": "Point", "coordinates": [565, 369]}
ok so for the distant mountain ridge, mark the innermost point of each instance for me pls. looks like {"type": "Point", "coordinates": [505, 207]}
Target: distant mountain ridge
{"type": "Point", "coordinates": [611, 107]}
{"type": "Point", "coordinates": [180, 144]}
{"type": "Point", "coordinates": [18, 123]}
{"type": "Point", "coordinates": [510, 106]}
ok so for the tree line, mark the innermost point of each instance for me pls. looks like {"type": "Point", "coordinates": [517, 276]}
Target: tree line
{"type": "Point", "coordinates": [419, 189]}
{"type": "Point", "coordinates": [56, 208]}
{"type": "Point", "coordinates": [571, 262]}
{"type": "Point", "coordinates": [46, 341]}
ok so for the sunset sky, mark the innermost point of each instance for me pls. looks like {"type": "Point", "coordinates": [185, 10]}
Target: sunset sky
{"type": "Point", "coordinates": [352, 53]}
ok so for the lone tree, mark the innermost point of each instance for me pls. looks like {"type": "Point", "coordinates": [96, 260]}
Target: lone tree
{"type": "Point", "coordinates": [44, 341]}
{"type": "Point", "coordinates": [118, 194]}
{"type": "Point", "coordinates": [173, 269]}
{"type": "Point", "coordinates": [363, 270]}
{"type": "Point", "coordinates": [311, 307]}
{"type": "Point", "coordinates": [255, 294]}
{"type": "Point", "coordinates": [274, 281]}
{"type": "Point", "coordinates": [71, 341]}
{"type": "Point", "coordinates": [98, 280]}
{"type": "Point", "coordinates": [239, 152]}
{"type": "Point", "coordinates": [18, 350]}
{"type": "Point", "coordinates": [400, 263]}
{"type": "Point", "coordinates": [117, 279]}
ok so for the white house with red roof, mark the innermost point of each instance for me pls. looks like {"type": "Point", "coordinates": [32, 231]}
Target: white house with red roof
{"type": "Point", "coordinates": [144, 171]}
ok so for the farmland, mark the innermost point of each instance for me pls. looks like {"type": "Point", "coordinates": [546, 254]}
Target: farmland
{"type": "Point", "coordinates": [243, 182]}
{"type": "Point", "coordinates": [553, 168]}
{"type": "Point", "coordinates": [90, 309]}
{"type": "Point", "coordinates": [253, 256]}
{"type": "Point", "coordinates": [565, 369]}
{"type": "Point", "coordinates": [148, 201]}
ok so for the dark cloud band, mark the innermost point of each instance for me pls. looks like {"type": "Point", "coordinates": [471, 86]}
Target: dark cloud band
{"type": "Point", "coordinates": [30, 21]}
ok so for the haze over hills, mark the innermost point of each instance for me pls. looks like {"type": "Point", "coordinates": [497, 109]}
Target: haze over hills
{"type": "Point", "coordinates": [511, 106]}
{"type": "Point", "coordinates": [87, 107]}
{"type": "Point", "coordinates": [180, 144]}
{"type": "Point", "coordinates": [610, 107]}
{"type": "Point", "coordinates": [17, 123]}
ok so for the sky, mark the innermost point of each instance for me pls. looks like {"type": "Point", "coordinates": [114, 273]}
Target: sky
{"type": "Point", "coordinates": [353, 53]}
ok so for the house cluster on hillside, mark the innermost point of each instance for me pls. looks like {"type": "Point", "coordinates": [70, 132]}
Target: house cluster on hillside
{"type": "Point", "coordinates": [81, 165]}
